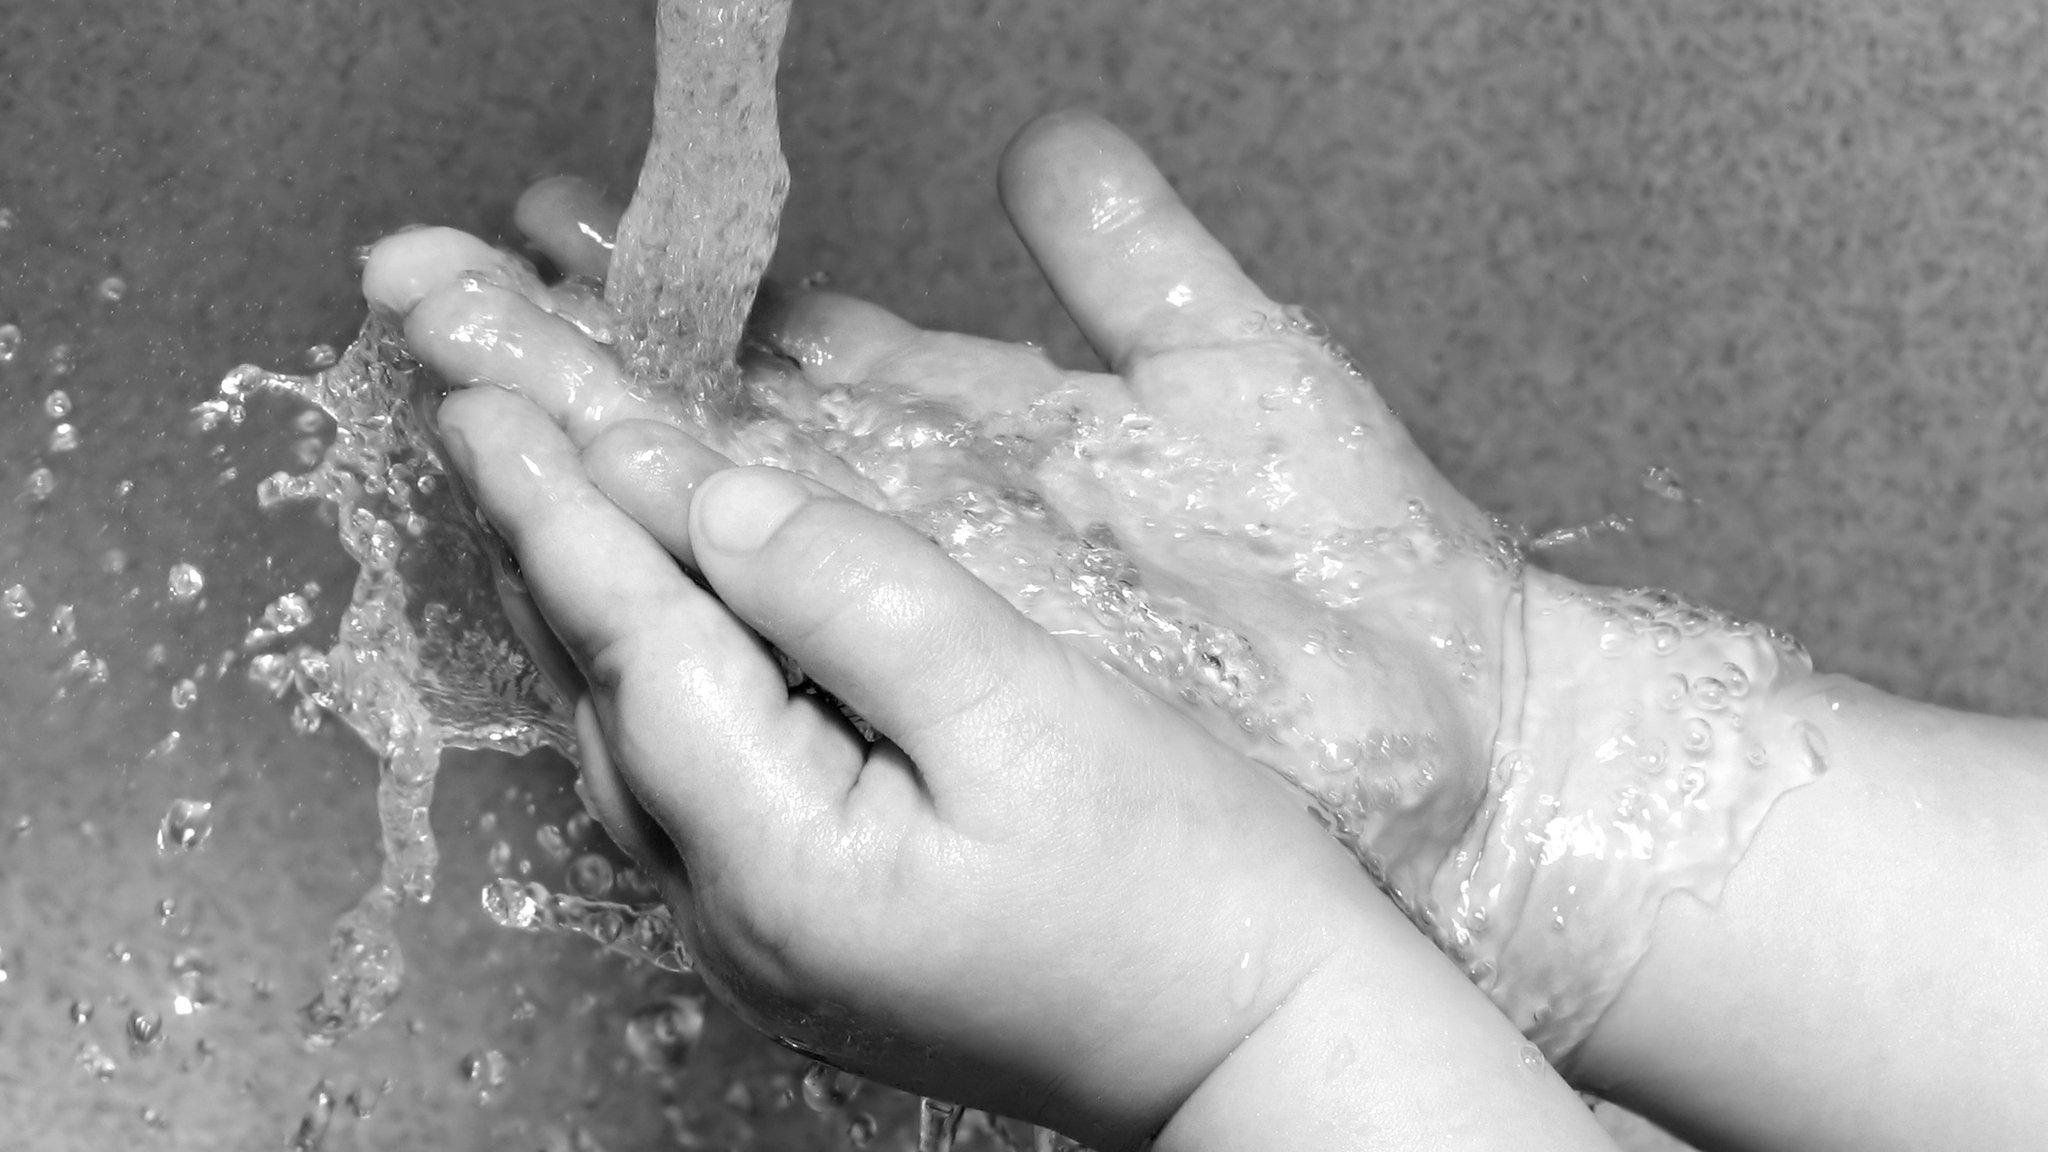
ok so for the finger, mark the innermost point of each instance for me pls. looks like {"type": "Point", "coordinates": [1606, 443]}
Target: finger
{"type": "Point", "coordinates": [881, 617]}
{"type": "Point", "coordinates": [651, 472]}
{"type": "Point", "coordinates": [473, 333]}
{"type": "Point", "coordinates": [405, 267]}
{"type": "Point", "coordinates": [1132, 265]}
{"type": "Point", "coordinates": [607, 796]}
{"type": "Point", "coordinates": [572, 222]}
{"type": "Point", "coordinates": [841, 340]}
{"type": "Point", "coordinates": [837, 339]}
{"type": "Point", "coordinates": [695, 709]}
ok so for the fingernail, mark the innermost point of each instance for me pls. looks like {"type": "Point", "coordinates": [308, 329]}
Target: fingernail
{"type": "Point", "coordinates": [739, 509]}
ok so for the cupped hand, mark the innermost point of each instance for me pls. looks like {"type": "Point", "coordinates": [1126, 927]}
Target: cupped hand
{"type": "Point", "coordinates": [1230, 518]}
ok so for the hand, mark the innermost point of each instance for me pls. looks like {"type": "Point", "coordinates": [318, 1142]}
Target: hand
{"type": "Point", "coordinates": [1234, 520]}
{"type": "Point", "coordinates": [1041, 890]}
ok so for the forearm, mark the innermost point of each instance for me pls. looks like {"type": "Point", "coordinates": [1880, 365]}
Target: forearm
{"type": "Point", "coordinates": [1872, 975]}
{"type": "Point", "coordinates": [1385, 1047]}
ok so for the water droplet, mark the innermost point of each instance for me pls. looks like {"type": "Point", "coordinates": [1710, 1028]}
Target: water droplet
{"type": "Point", "coordinates": [145, 1030]}
{"type": "Point", "coordinates": [590, 876]}
{"type": "Point", "coordinates": [1663, 638]}
{"type": "Point", "coordinates": [1699, 736]}
{"type": "Point", "coordinates": [552, 842]}
{"type": "Point", "coordinates": [287, 614]}
{"type": "Point", "coordinates": [306, 716]}
{"type": "Point", "coordinates": [81, 1013]}
{"type": "Point", "coordinates": [663, 1035]}
{"type": "Point", "coordinates": [186, 582]}
{"type": "Point", "coordinates": [7, 220]}
{"type": "Point", "coordinates": [827, 1089]}
{"type": "Point", "coordinates": [321, 356]}
{"type": "Point", "coordinates": [1663, 484]}
{"type": "Point", "coordinates": [1532, 1058]}
{"type": "Point", "coordinates": [860, 1131]}
{"type": "Point", "coordinates": [113, 561]}
{"type": "Point", "coordinates": [41, 485]}
{"type": "Point", "coordinates": [57, 405]}
{"type": "Point", "coordinates": [64, 624]}
{"type": "Point", "coordinates": [155, 1119]}
{"type": "Point", "coordinates": [64, 438]}
{"type": "Point", "coordinates": [312, 1130]}
{"type": "Point", "coordinates": [60, 360]}
{"type": "Point", "coordinates": [112, 289]}
{"type": "Point", "coordinates": [184, 694]}
{"type": "Point", "coordinates": [486, 1069]}
{"type": "Point", "coordinates": [15, 601]}
{"type": "Point", "coordinates": [185, 826]}
{"type": "Point", "coordinates": [10, 342]}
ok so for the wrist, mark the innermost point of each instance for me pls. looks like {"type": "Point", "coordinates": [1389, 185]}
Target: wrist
{"type": "Point", "coordinates": [1638, 752]}
{"type": "Point", "coordinates": [1382, 1043]}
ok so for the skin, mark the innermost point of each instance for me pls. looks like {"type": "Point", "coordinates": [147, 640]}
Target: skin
{"type": "Point", "coordinates": [1050, 893]}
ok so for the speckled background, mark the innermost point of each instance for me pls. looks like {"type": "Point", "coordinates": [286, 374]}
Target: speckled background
{"type": "Point", "coordinates": [1790, 253]}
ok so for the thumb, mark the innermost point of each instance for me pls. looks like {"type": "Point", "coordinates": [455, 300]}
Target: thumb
{"type": "Point", "coordinates": [879, 616]}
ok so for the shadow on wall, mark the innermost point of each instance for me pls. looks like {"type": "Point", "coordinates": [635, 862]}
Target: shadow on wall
{"type": "Point", "coordinates": [1787, 259]}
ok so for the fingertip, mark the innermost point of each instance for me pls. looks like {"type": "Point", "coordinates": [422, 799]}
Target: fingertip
{"type": "Point", "coordinates": [738, 510]}
{"type": "Point", "coordinates": [1060, 155]}
{"type": "Point", "coordinates": [572, 221]}
{"type": "Point", "coordinates": [406, 267]}
{"type": "Point", "coordinates": [651, 471]}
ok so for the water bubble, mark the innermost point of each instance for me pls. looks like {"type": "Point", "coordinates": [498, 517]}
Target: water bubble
{"type": "Point", "coordinates": [306, 716]}
{"type": "Point", "coordinates": [42, 484]}
{"type": "Point", "coordinates": [185, 826]}
{"type": "Point", "coordinates": [7, 220]}
{"type": "Point", "coordinates": [81, 1013]}
{"type": "Point", "coordinates": [112, 289]}
{"type": "Point", "coordinates": [271, 672]}
{"type": "Point", "coordinates": [499, 857]}
{"type": "Point", "coordinates": [1663, 638]}
{"type": "Point", "coordinates": [486, 1068]}
{"type": "Point", "coordinates": [321, 356]}
{"type": "Point", "coordinates": [860, 1131]}
{"type": "Point", "coordinates": [553, 843]}
{"type": "Point", "coordinates": [114, 561]}
{"type": "Point", "coordinates": [1710, 694]}
{"type": "Point", "coordinates": [57, 405]}
{"type": "Point", "coordinates": [64, 438]}
{"type": "Point", "coordinates": [184, 694]}
{"type": "Point", "coordinates": [287, 614]}
{"type": "Point", "coordinates": [10, 342]}
{"type": "Point", "coordinates": [590, 876]}
{"type": "Point", "coordinates": [1735, 680]}
{"type": "Point", "coordinates": [1532, 1058]}
{"type": "Point", "coordinates": [60, 360]}
{"type": "Point", "coordinates": [15, 601]}
{"type": "Point", "coordinates": [663, 1035]}
{"type": "Point", "coordinates": [155, 1119]}
{"type": "Point", "coordinates": [1699, 737]}
{"type": "Point", "coordinates": [145, 1030]}
{"type": "Point", "coordinates": [186, 582]}
{"type": "Point", "coordinates": [1663, 484]}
